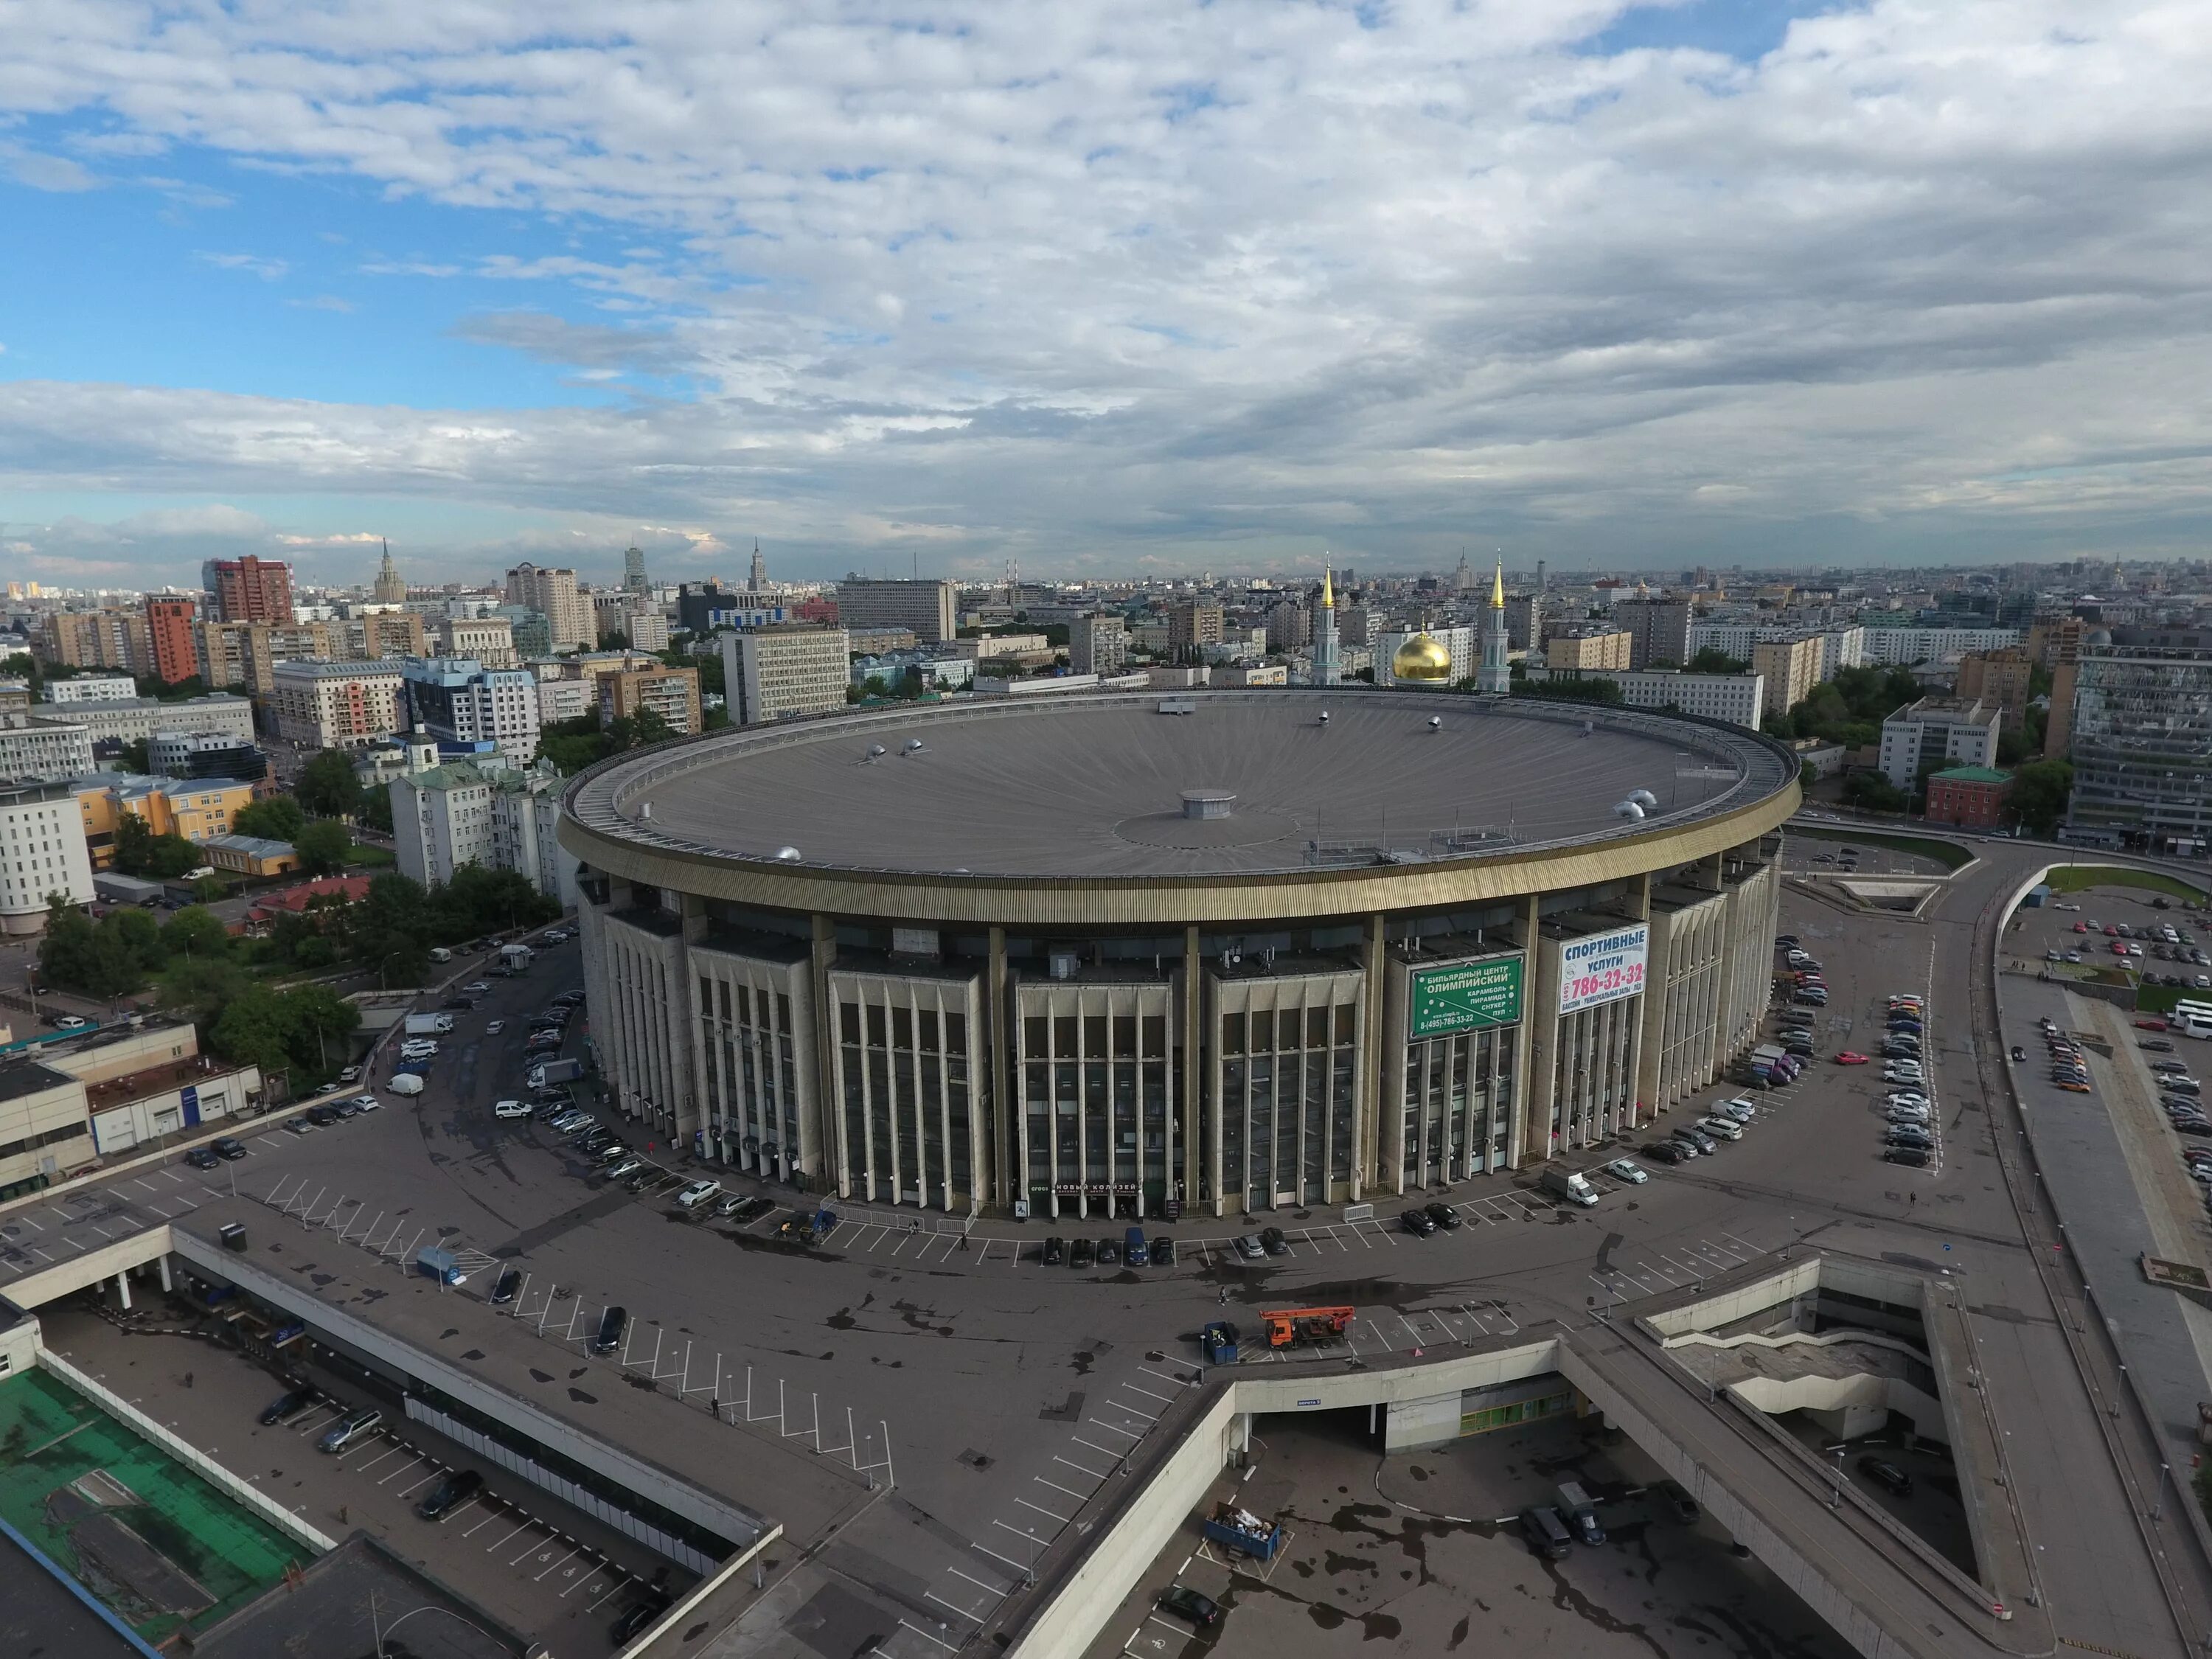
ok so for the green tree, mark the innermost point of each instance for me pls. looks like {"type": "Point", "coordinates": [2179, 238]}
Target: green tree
{"type": "Point", "coordinates": [569, 746]}
{"type": "Point", "coordinates": [328, 787]}
{"type": "Point", "coordinates": [323, 846]}
{"type": "Point", "coordinates": [196, 931]}
{"type": "Point", "coordinates": [140, 852]}
{"type": "Point", "coordinates": [1711, 659]}
{"type": "Point", "coordinates": [638, 731]}
{"type": "Point", "coordinates": [1873, 793]}
{"type": "Point", "coordinates": [200, 987]}
{"type": "Point", "coordinates": [65, 949]}
{"type": "Point", "coordinates": [279, 817]}
{"type": "Point", "coordinates": [1561, 690]}
{"type": "Point", "coordinates": [255, 1029]}
{"type": "Point", "coordinates": [2040, 792]}
{"type": "Point", "coordinates": [132, 757]}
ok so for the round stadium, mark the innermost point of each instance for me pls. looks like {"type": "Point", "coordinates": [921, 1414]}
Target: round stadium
{"type": "Point", "coordinates": [1141, 954]}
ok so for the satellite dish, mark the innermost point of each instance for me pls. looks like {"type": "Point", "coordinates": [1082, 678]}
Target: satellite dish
{"type": "Point", "coordinates": [786, 856]}
{"type": "Point", "coordinates": [875, 752]}
{"type": "Point", "coordinates": [1324, 717]}
{"type": "Point", "coordinates": [1435, 722]}
{"type": "Point", "coordinates": [1644, 798]}
{"type": "Point", "coordinates": [913, 746]}
{"type": "Point", "coordinates": [1627, 809]}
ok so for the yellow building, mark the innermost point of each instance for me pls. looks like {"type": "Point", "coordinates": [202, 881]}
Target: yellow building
{"type": "Point", "coordinates": [1792, 668]}
{"type": "Point", "coordinates": [1608, 649]}
{"type": "Point", "coordinates": [195, 809]}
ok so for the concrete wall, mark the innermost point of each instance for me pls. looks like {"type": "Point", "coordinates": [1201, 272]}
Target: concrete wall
{"type": "Point", "coordinates": [65, 1277]}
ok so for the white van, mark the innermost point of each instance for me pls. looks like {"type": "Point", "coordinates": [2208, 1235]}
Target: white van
{"type": "Point", "coordinates": [406, 1083]}
{"type": "Point", "coordinates": [510, 1108]}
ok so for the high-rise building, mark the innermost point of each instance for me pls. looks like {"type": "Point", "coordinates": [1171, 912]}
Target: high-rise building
{"type": "Point", "coordinates": [2142, 744]}
{"type": "Point", "coordinates": [98, 639]}
{"type": "Point", "coordinates": [500, 818]}
{"type": "Point", "coordinates": [1791, 668]}
{"type": "Point", "coordinates": [1591, 647]}
{"type": "Point", "coordinates": [784, 671]}
{"type": "Point", "coordinates": [1495, 677]}
{"type": "Point", "coordinates": [1936, 732]}
{"type": "Point", "coordinates": [1289, 625]}
{"type": "Point", "coordinates": [1192, 626]}
{"type": "Point", "coordinates": [635, 580]}
{"type": "Point", "coordinates": [382, 634]}
{"type": "Point", "coordinates": [758, 579]}
{"type": "Point", "coordinates": [463, 703]}
{"type": "Point", "coordinates": [927, 607]}
{"type": "Point", "coordinates": [42, 853]}
{"type": "Point", "coordinates": [554, 592]}
{"type": "Point", "coordinates": [671, 693]}
{"type": "Point", "coordinates": [250, 589]}
{"type": "Point", "coordinates": [390, 588]}
{"type": "Point", "coordinates": [1095, 645]}
{"type": "Point", "coordinates": [1658, 631]}
{"type": "Point", "coordinates": [169, 632]}
{"type": "Point", "coordinates": [2000, 678]}
{"type": "Point", "coordinates": [234, 653]}
{"type": "Point", "coordinates": [488, 640]}
{"type": "Point", "coordinates": [336, 705]}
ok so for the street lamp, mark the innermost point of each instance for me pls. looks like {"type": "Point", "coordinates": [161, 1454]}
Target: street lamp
{"type": "Point", "coordinates": [1836, 1498]}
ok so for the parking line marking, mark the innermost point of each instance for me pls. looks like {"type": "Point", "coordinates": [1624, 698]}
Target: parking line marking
{"type": "Point", "coordinates": [1164, 1399]}
{"type": "Point", "coordinates": [1041, 1509]}
{"type": "Point", "coordinates": [1073, 1464]}
{"type": "Point", "coordinates": [571, 1556]}
{"type": "Point", "coordinates": [1102, 1423]}
{"type": "Point", "coordinates": [1102, 1451]}
{"type": "Point", "coordinates": [1163, 1376]}
{"type": "Point", "coordinates": [392, 1450]}
{"type": "Point", "coordinates": [931, 1596]}
{"type": "Point", "coordinates": [1025, 1531]}
{"type": "Point", "coordinates": [418, 1485]}
{"type": "Point", "coordinates": [516, 1533]}
{"type": "Point", "coordinates": [621, 1578]}
{"type": "Point", "coordinates": [980, 1584]}
{"type": "Point", "coordinates": [1017, 1566]}
{"type": "Point", "coordinates": [597, 1567]}
{"type": "Point", "coordinates": [1080, 1497]}
{"type": "Point", "coordinates": [926, 1637]}
{"type": "Point", "coordinates": [545, 1548]}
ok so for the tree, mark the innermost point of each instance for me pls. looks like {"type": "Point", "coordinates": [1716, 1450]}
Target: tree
{"type": "Point", "coordinates": [202, 986]}
{"type": "Point", "coordinates": [255, 1029]}
{"type": "Point", "coordinates": [140, 852]}
{"type": "Point", "coordinates": [569, 746]}
{"type": "Point", "coordinates": [2040, 792]}
{"type": "Point", "coordinates": [279, 817]}
{"type": "Point", "coordinates": [133, 757]}
{"type": "Point", "coordinates": [1711, 659]}
{"type": "Point", "coordinates": [1597, 690]}
{"type": "Point", "coordinates": [65, 949]}
{"type": "Point", "coordinates": [196, 932]}
{"type": "Point", "coordinates": [153, 685]}
{"type": "Point", "coordinates": [1873, 793]}
{"type": "Point", "coordinates": [638, 731]}
{"type": "Point", "coordinates": [323, 846]}
{"type": "Point", "coordinates": [328, 787]}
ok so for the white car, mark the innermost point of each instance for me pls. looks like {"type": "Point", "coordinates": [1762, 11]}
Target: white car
{"type": "Point", "coordinates": [1909, 1097]}
{"type": "Point", "coordinates": [494, 1027]}
{"type": "Point", "coordinates": [349, 1074]}
{"type": "Point", "coordinates": [624, 1166]}
{"type": "Point", "coordinates": [417, 1048]}
{"type": "Point", "coordinates": [697, 1194]}
{"type": "Point", "coordinates": [1726, 1127]}
{"type": "Point", "coordinates": [367, 1103]}
{"type": "Point", "coordinates": [1741, 1110]}
{"type": "Point", "coordinates": [1628, 1169]}
{"type": "Point", "coordinates": [510, 1108]}
{"type": "Point", "coordinates": [70, 1022]}
{"type": "Point", "coordinates": [476, 987]}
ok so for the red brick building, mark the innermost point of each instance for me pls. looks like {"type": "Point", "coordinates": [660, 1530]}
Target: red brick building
{"type": "Point", "coordinates": [251, 589]}
{"type": "Point", "coordinates": [169, 627]}
{"type": "Point", "coordinates": [1972, 797]}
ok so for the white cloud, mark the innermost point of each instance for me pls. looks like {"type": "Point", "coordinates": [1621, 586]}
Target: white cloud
{"type": "Point", "coordinates": [268, 269]}
{"type": "Point", "coordinates": [1233, 279]}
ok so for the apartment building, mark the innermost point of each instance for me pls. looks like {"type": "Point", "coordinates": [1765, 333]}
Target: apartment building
{"type": "Point", "coordinates": [336, 705]}
{"type": "Point", "coordinates": [135, 719]}
{"type": "Point", "coordinates": [1739, 699]}
{"type": "Point", "coordinates": [2000, 678]}
{"type": "Point", "coordinates": [781, 672]}
{"type": "Point", "coordinates": [566, 700]}
{"type": "Point", "coordinates": [232, 653]}
{"type": "Point", "coordinates": [1910, 645]}
{"type": "Point", "coordinates": [169, 634]}
{"type": "Point", "coordinates": [671, 693]}
{"type": "Point", "coordinates": [98, 639]}
{"type": "Point", "coordinates": [44, 746]}
{"type": "Point", "coordinates": [1192, 625]}
{"type": "Point", "coordinates": [1790, 668]}
{"type": "Point", "coordinates": [90, 688]}
{"type": "Point", "coordinates": [499, 819]}
{"type": "Point", "coordinates": [42, 853]}
{"type": "Point", "coordinates": [460, 701]}
{"type": "Point", "coordinates": [554, 594]}
{"type": "Point", "coordinates": [1097, 645]}
{"type": "Point", "coordinates": [381, 635]}
{"type": "Point", "coordinates": [486, 640]}
{"type": "Point", "coordinates": [1935, 730]}
{"type": "Point", "coordinates": [249, 589]}
{"type": "Point", "coordinates": [2140, 743]}
{"type": "Point", "coordinates": [1587, 648]}
{"type": "Point", "coordinates": [1658, 631]}
{"type": "Point", "coordinates": [927, 608]}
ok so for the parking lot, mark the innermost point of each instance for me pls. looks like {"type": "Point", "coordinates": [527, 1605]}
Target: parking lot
{"type": "Point", "coordinates": [525, 1556]}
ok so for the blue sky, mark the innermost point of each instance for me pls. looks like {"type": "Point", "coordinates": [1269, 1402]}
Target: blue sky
{"type": "Point", "coordinates": [1132, 287]}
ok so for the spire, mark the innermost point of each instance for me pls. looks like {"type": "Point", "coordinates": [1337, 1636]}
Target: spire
{"type": "Point", "coordinates": [1327, 593]}
{"type": "Point", "coordinates": [1497, 588]}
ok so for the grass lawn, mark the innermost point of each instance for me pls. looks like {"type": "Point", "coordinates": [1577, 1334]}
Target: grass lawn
{"type": "Point", "coordinates": [378, 857]}
{"type": "Point", "coordinates": [2078, 877]}
{"type": "Point", "coordinates": [1949, 854]}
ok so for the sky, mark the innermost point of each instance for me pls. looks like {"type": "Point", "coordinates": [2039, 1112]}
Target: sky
{"type": "Point", "coordinates": [1130, 288]}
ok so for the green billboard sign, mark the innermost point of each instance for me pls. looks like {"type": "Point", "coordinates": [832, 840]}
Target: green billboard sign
{"type": "Point", "coordinates": [1466, 996]}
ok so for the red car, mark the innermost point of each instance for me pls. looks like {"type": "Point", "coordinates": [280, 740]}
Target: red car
{"type": "Point", "coordinates": [2080, 926]}
{"type": "Point", "coordinates": [1851, 1057]}
{"type": "Point", "coordinates": [2154, 1023]}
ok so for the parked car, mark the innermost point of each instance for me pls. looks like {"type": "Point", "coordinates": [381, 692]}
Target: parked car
{"type": "Point", "coordinates": [1185, 1603]}
{"type": "Point", "coordinates": [1417, 1222]}
{"type": "Point", "coordinates": [1628, 1169]}
{"type": "Point", "coordinates": [1444, 1216]}
{"type": "Point", "coordinates": [1163, 1251]}
{"type": "Point", "coordinates": [349, 1428]}
{"type": "Point", "coordinates": [1082, 1254]}
{"type": "Point", "coordinates": [349, 1074]}
{"type": "Point", "coordinates": [1851, 1057]}
{"type": "Point", "coordinates": [504, 1288]}
{"type": "Point", "coordinates": [697, 1194]}
{"type": "Point", "coordinates": [202, 1158]}
{"type": "Point", "coordinates": [1665, 1152]}
{"type": "Point", "coordinates": [1249, 1247]}
{"type": "Point", "coordinates": [1696, 1137]}
{"type": "Point", "coordinates": [1273, 1242]}
{"type": "Point", "coordinates": [1546, 1534]}
{"type": "Point", "coordinates": [638, 1617]}
{"type": "Point", "coordinates": [608, 1336]}
{"type": "Point", "coordinates": [1886, 1476]}
{"type": "Point", "coordinates": [1677, 1500]}
{"type": "Point", "coordinates": [289, 1404]}
{"type": "Point", "coordinates": [1055, 1252]}
{"type": "Point", "coordinates": [1916, 1157]}
{"type": "Point", "coordinates": [454, 1488]}
{"type": "Point", "coordinates": [493, 1028]}
{"type": "Point", "coordinates": [229, 1147]}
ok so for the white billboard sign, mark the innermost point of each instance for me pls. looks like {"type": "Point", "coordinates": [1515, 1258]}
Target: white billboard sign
{"type": "Point", "coordinates": [1602, 968]}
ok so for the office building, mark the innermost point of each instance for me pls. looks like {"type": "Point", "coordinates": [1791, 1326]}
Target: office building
{"type": "Point", "coordinates": [44, 746]}
{"type": "Point", "coordinates": [173, 753]}
{"type": "Point", "coordinates": [671, 693]}
{"type": "Point", "coordinates": [553, 592]}
{"type": "Point", "coordinates": [486, 640]}
{"type": "Point", "coordinates": [781, 673]}
{"type": "Point", "coordinates": [336, 705]}
{"type": "Point", "coordinates": [1791, 669]}
{"type": "Point", "coordinates": [1591, 647]}
{"type": "Point", "coordinates": [462, 703]}
{"type": "Point", "coordinates": [1658, 631]}
{"type": "Point", "coordinates": [927, 607]}
{"type": "Point", "coordinates": [502, 819]}
{"type": "Point", "coordinates": [635, 580]}
{"type": "Point", "coordinates": [90, 688]}
{"type": "Point", "coordinates": [2142, 745]}
{"type": "Point", "coordinates": [135, 719]}
{"type": "Point", "coordinates": [1972, 797]}
{"type": "Point", "coordinates": [1939, 732]}
{"type": "Point", "coordinates": [42, 853]}
{"type": "Point", "coordinates": [2000, 678]}
{"type": "Point", "coordinates": [250, 589]}
{"type": "Point", "coordinates": [169, 635]}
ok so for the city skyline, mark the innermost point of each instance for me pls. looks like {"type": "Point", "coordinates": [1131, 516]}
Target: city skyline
{"type": "Point", "coordinates": [1621, 284]}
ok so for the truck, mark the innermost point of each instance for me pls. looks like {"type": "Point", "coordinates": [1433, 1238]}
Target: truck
{"type": "Point", "coordinates": [549, 1071]}
{"type": "Point", "coordinates": [1305, 1327]}
{"type": "Point", "coordinates": [435, 1261]}
{"type": "Point", "coordinates": [514, 958]}
{"type": "Point", "coordinates": [440, 953]}
{"type": "Point", "coordinates": [1569, 1184]}
{"type": "Point", "coordinates": [429, 1025]}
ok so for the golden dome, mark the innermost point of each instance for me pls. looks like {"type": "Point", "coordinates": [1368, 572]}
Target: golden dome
{"type": "Point", "coordinates": [1422, 658]}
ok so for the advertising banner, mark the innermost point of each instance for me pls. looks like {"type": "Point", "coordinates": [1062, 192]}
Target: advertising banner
{"type": "Point", "coordinates": [1603, 968]}
{"type": "Point", "coordinates": [1465, 996]}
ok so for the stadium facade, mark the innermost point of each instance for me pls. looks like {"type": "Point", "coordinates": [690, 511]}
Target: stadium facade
{"type": "Point", "coordinates": [1120, 955]}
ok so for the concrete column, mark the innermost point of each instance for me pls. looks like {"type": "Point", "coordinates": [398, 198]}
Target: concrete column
{"type": "Point", "coordinates": [1194, 1051]}
{"type": "Point", "coordinates": [163, 1262]}
{"type": "Point", "coordinates": [123, 1292]}
{"type": "Point", "coordinates": [1538, 1033]}
{"type": "Point", "coordinates": [997, 1039]}
{"type": "Point", "coordinates": [1375, 1070]}
{"type": "Point", "coordinates": [825, 953]}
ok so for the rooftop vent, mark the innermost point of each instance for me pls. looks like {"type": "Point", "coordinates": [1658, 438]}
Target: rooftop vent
{"type": "Point", "coordinates": [1207, 803]}
{"type": "Point", "coordinates": [786, 856]}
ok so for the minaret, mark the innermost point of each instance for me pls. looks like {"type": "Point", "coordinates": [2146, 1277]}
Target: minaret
{"type": "Point", "coordinates": [1325, 671]}
{"type": "Point", "coordinates": [1495, 677]}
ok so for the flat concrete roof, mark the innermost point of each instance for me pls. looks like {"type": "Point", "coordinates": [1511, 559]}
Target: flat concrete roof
{"type": "Point", "coordinates": [1094, 786]}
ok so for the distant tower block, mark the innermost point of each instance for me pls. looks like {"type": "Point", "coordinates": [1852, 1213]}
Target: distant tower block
{"type": "Point", "coordinates": [635, 580]}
